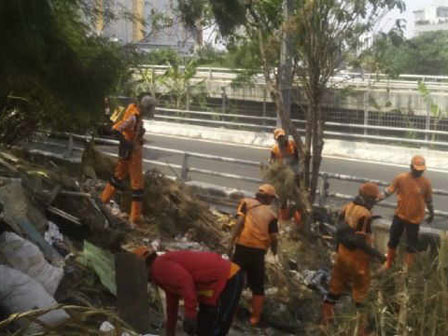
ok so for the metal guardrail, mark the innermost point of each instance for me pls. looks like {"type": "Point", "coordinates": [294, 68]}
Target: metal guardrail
{"type": "Point", "coordinates": [227, 73]}
{"type": "Point", "coordinates": [324, 190]}
{"type": "Point", "coordinates": [181, 116]}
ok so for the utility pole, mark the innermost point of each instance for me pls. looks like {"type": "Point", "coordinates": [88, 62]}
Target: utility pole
{"type": "Point", "coordinates": [99, 26]}
{"type": "Point", "coordinates": [285, 68]}
{"type": "Point", "coordinates": [137, 23]}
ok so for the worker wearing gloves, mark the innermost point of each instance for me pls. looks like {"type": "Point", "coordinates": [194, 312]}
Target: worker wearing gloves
{"type": "Point", "coordinates": [354, 252]}
{"type": "Point", "coordinates": [285, 152]}
{"type": "Point", "coordinates": [203, 280]}
{"type": "Point", "coordinates": [130, 131]}
{"type": "Point", "coordinates": [255, 232]}
{"type": "Point", "coordinates": [414, 192]}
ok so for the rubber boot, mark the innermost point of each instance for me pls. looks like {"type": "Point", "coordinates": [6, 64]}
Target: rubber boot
{"type": "Point", "coordinates": [108, 193]}
{"type": "Point", "coordinates": [409, 259]}
{"type": "Point", "coordinates": [135, 216]}
{"type": "Point", "coordinates": [390, 258]}
{"type": "Point", "coordinates": [298, 219]}
{"type": "Point", "coordinates": [327, 313]}
{"type": "Point", "coordinates": [257, 308]}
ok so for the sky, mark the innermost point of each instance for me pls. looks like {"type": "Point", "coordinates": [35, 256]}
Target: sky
{"type": "Point", "coordinates": [411, 5]}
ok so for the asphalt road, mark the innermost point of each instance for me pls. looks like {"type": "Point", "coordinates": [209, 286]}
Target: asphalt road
{"type": "Point", "coordinates": [385, 172]}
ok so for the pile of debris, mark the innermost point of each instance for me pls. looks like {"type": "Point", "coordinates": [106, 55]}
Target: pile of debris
{"type": "Point", "coordinates": [61, 250]}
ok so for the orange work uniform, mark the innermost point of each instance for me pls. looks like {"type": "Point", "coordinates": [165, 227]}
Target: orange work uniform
{"type": "Point", "coordinates": [285, 155]}
{"type": "Point", "coordinates": [257, 220]}
{"type": "Point", "coordinates": [131, 127]}
{"type": "Point", "coordinates": [413, 193]}
{"type": "Point", "coordinates": [353, 266]}
{"type": "Point", "coordinates": [260, 223]}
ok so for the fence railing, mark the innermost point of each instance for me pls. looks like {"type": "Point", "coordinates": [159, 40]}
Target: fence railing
{"type": "Point", "coordinates": [185, 168]}
{"type": "Point", "coordinates": [369, 100]}
{"type": "Point", "coordinates": [368, 78]}
{"type": "Point", "coordinates": [332, 129]}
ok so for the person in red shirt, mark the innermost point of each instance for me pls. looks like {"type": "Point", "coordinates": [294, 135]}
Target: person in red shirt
{"type": "Point", "coordinates": [130, 131]}
{"type": "Point", "coordinates": [209, 285]}
{"type": "Point", "coordinates": [414, 194]}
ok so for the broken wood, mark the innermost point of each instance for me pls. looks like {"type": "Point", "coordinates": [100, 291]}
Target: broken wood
{"type": "Point", "coordinates": [65, 215]}
{"type": "Point", "coordinates": [8, 166]}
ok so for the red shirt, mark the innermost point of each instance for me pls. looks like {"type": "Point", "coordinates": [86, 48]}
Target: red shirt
{"type": "Point", "coordinates": [193, 276]}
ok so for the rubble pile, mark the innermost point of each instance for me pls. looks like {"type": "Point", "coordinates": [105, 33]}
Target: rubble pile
{"type": "Point", "coordinates": [58, 245]}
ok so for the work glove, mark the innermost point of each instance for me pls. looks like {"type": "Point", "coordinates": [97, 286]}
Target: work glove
{"type": "Point", "coordinates": [117, 134]}
{"type": "Point", "coordinates": [190, 326]}
{"type": "Point", "coordinates": [430, 218]}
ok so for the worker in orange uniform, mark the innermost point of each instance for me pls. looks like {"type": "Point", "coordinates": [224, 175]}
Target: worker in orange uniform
{"type": "Point", "coordinates": [285, 152]}
{"type": "Point", "coordinates": [203, 280]}
{"type": "Point", "coordinates": [130, 131]}
{"type": "Point", "coordinates": [414, 192]}
{"type": "Point", "coordinates": [354, 252]}
{"type": "Point", "coordinates": [255, 232]}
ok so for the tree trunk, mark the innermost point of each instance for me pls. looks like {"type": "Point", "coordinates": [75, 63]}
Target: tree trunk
{"type": "Point", "coordinates": [308, 142]}
{"type": "Point", "coordinates": [318, 144]}
{"type": "Point", "coordinates": [302, 195]}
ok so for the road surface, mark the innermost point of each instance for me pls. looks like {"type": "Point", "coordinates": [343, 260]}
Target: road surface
{"type": "Point", "coordinates": [385, 172]}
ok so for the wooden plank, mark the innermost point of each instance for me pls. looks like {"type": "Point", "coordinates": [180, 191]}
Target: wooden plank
{"type": "Point", "coordinates": [132, 294]}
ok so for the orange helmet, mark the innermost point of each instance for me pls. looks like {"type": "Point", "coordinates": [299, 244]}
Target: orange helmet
{"type": "Point", "coordinates": [369, 189]}
{"type": "Point", "coordinates": [267, 189]}
{"type": "Point", "coordinates": [418, 162]}
{"type": "Point", "coordinates": [278, 132]}
{"type": "Point", "coordinates": [142, 252]}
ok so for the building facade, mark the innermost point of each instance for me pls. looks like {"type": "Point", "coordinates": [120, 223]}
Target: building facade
{"type": "Point", "coordinates": [431, 18]}
{"type": "Point", "coordinates": [133, 23]}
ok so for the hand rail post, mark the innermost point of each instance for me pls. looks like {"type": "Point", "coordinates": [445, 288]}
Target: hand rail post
{"type": "Point", "coordinates": [184, 173]}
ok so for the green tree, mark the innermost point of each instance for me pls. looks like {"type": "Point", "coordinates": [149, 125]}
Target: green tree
{"type": "Point", "coordinates": [426, 54]}
{"type": "Point", "coordinates": [323, 32]}
{"type": "Point", "coordinates": [178, 86]}
{"type": "Point", "coordinates": [51, 59]}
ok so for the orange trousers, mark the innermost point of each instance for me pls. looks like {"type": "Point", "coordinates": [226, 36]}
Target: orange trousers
{"type": "Point", "coordinates": [134, 168]}
{"type": "Point", "coordinates": [351, 267]}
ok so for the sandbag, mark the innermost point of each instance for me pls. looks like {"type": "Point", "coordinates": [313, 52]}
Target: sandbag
{"type": "Point", "coordinates": [26, 257]}
{"type": "Point", "coordinates": [20, 293]}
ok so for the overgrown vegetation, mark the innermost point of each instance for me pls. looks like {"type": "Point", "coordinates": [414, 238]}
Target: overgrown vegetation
{"type": "Point", "coordinates": [404, 302]}
{"type": "Point", "coordinates": [55, 71]}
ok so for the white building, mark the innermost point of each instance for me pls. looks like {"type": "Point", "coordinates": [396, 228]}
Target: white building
{"type": "Point", "coordinates": [133, 25]}
{"type": "Point", "coordinates": [431, 18]}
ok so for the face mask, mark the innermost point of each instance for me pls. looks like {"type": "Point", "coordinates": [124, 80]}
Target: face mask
{"type": "Point", "coordinates": [282, 141]}
{"type": "Point", "coordinates": [417, 173]}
